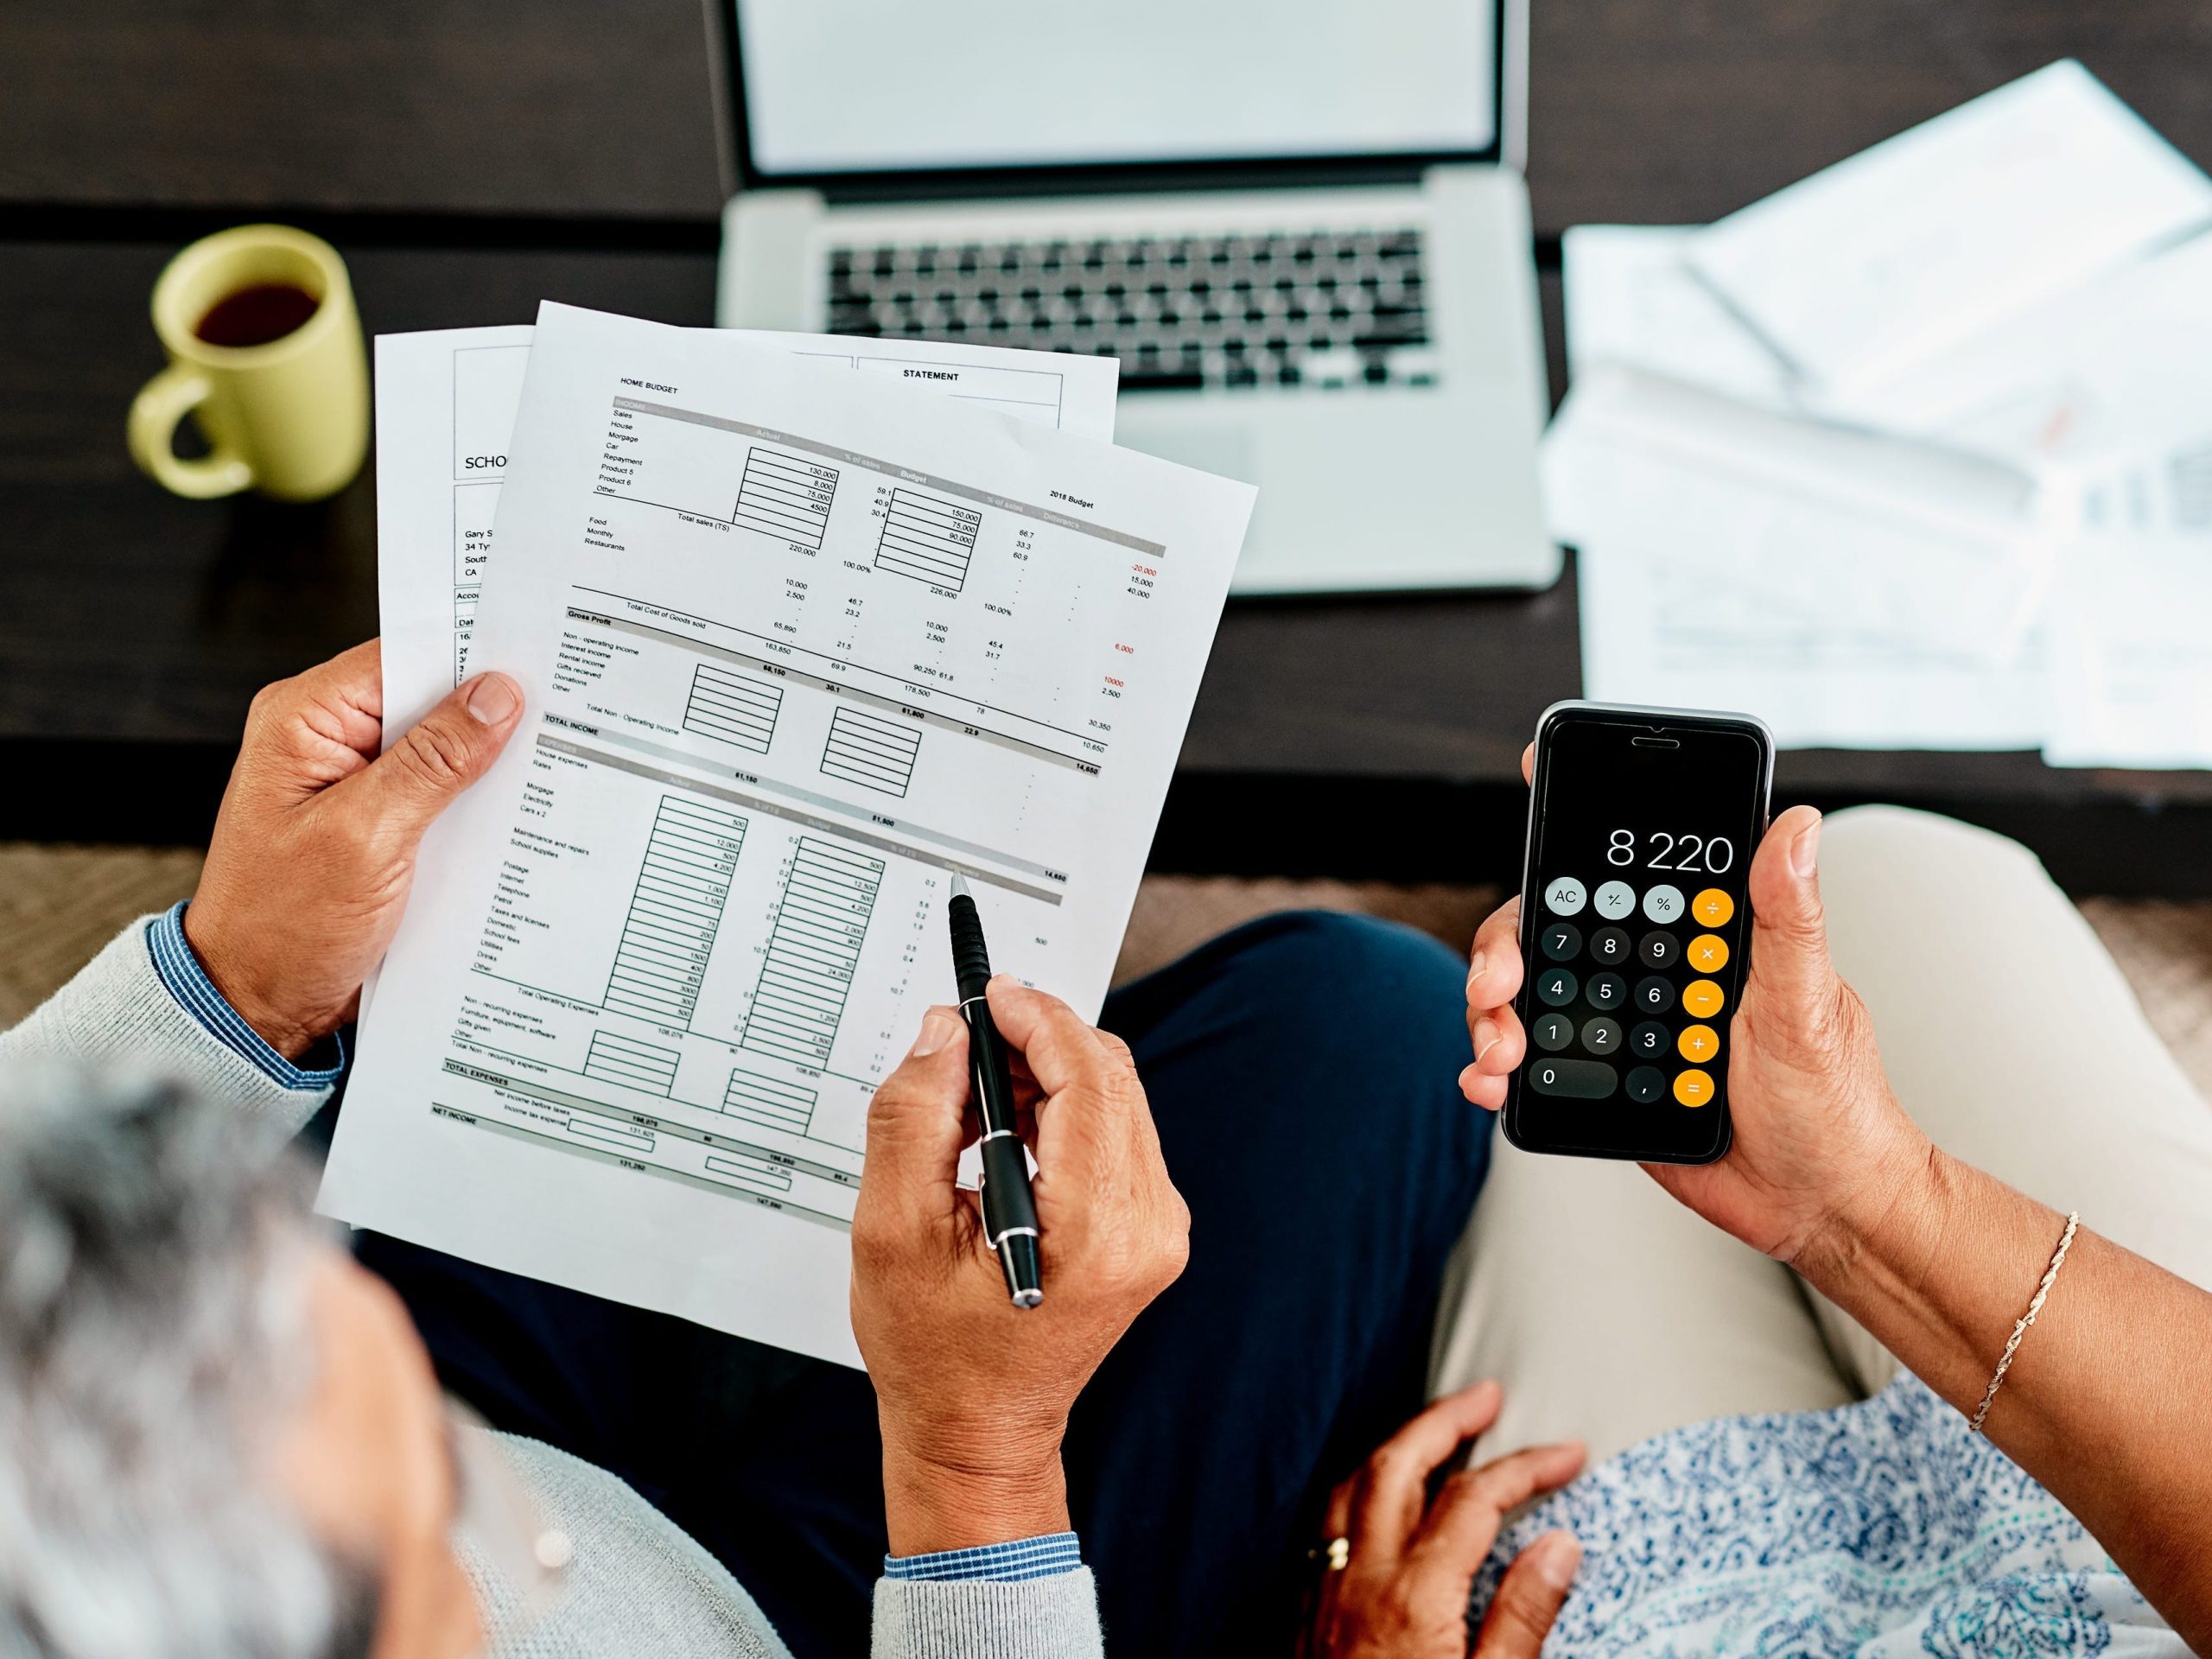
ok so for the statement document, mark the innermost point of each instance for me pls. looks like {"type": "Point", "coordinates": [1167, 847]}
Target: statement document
{"type": "Point", "coordinates": [446, 403]}
{"type": "Point", "coordinates": [798, 646]}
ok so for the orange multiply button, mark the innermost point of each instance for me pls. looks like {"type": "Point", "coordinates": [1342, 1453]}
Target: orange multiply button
{"type": "Point", "coordinates": [1711, 908]}
{"type": "Point", "coordinates": [1708, 954]}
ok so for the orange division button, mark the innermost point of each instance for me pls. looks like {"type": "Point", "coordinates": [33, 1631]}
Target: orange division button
{"type": "Point", "coordinates": [1702, 999]}
{"type": "Point", "coordinates": [1693, 1088]}
{"type": "Point", "coordinates": [1698, 1043]}
{"type": "Point", "coordinates": [1712, 907]}
{"type": "Point", "coordinates": [1708, 954]}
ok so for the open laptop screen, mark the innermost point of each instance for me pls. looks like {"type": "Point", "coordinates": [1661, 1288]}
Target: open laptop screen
{"type": "Point", "coordinates": [862, 86]}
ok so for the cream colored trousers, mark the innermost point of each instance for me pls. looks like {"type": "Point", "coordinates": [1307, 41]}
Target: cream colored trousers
{"type": "Point", "coordinates": [1612, 1313]}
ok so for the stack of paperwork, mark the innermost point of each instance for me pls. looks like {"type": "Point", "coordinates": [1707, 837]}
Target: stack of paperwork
{"type": "Point", "coordinates": [806, 627]}
{"type": "Point", "coordinates": [1916, 453]}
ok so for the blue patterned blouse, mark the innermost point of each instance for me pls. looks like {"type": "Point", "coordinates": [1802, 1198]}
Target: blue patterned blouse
{"type": "Point", "coordinates": [1885, 1527]}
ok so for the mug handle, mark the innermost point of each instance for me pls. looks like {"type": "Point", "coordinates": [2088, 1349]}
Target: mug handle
{"type": "Point", "coordinates": [164, 401]}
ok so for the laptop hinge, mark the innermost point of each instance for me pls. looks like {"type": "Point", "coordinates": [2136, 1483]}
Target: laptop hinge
{"type": "Point", "coordinates": [1013, 184]}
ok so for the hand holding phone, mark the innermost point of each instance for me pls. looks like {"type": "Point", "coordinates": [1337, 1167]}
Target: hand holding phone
{"type": "Point", "coordinates": [1818, 1141]}
{"type": "Point", "coordinates": [1634, 930]}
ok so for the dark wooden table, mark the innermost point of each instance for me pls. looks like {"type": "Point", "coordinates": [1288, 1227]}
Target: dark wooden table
{"type": "Point", "coordinates": [472, 158]}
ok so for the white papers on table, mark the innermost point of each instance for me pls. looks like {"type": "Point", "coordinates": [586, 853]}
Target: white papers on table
{"type": "Point", "coordinates": [2131, 636]}
{"type": "Point", "coordinates": [2114, 368]}
{"type": "Point", "coordinates": [1852, 591]}
{"type": "Point", "coordinates": [1930, 546]}
{"type": "Point", "coordinates": [798, 646]}
{"type": "Point", "coordinates": [2103, 385]}
{"type": "Point", "coordinates": [1655, 631]}
{"type": "Point", "coordinates": [2022, 280]}
{"type": "Point", "coordinates": [445, 402]}
{"type": "Point", "coordinates": [1974, 217]}
{"type": "Point", "coordinates": [1632, 301]}
{"type": "Point", "coordinates": [2165, 490]}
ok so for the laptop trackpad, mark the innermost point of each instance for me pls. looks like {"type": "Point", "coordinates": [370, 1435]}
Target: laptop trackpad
{"type": "Point", "coordinates": [1224, 450]}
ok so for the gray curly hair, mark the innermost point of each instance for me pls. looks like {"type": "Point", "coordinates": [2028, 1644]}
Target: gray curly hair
{"type": "Point", "coordinates": [153, 1338]}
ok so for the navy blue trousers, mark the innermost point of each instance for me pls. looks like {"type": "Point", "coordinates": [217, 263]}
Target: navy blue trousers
{"type": "Point", "coordinates": [1303, 1072]}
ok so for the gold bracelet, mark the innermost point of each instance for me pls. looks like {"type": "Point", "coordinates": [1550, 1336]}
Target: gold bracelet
{"type": "Point", "coordinates": [2035, 1306]}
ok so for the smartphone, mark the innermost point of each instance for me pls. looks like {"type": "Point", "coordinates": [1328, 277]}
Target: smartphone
{"type": "Point", "coordinates": [1635, 924]}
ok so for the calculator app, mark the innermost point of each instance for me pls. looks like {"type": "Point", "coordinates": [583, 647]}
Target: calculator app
{"type": "Point", "coordinates": [1634, 924]}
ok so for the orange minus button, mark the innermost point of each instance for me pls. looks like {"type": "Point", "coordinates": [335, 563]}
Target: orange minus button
{"type": "Point", "coordinates": [1702, 998]}
{"type": "Point", "coordinates": [1693, 1088]}
{"type": "Point", "coordinates": [1575, 1079]}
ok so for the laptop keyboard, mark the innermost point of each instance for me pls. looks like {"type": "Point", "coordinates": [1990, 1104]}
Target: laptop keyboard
{"type": "Point", "coordinates": [1326, 309]}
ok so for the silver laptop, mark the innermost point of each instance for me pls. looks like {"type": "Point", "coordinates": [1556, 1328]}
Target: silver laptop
{"type": "Point", "coordinates": [1302, 226]}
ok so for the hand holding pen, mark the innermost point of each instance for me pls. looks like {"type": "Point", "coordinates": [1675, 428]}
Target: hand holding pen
{"type": "Point", "coordinates": [973, 1392]}
{"type": "Point", "coordinates": [1009, 1206]}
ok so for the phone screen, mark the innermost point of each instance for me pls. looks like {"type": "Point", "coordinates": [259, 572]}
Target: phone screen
{"type": "Point", "coordinates": [1634, 923]}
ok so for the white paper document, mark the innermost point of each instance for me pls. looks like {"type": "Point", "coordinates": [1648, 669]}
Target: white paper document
{"type": "Point", "coordinates": [798, 646]}
{"type": "Point", "coordinates": [2167, 491]}
{"type": "Point", "coordinates": [1633, 301]}
{"type": "Point", "coordinates": [2132, 653]}
{"type": "Point", "coordinates": [1655, 629]}
{"type": "Point", "coordinates": [1915, 452]}
{"type": "Point", "coordinates": [2115, 369]}
{"type": "Point", "coordinates": [1936, 550]}
{"type": "Point", "coordinates": [445, 412]}
{"type": "Point", "coordinates": [1850, 596]}
{"type": "Point", "coordinates": [1909, 248]}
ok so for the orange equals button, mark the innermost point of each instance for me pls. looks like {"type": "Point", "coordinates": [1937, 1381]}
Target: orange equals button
{"type": "Point", "coordinates": [1693, 1088]}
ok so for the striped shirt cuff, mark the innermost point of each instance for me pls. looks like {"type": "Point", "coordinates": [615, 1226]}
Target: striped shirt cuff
{"type": "Point", "coordinates": [196, 994]}
{"type": "Point", "coordinates": [1025, 1558]}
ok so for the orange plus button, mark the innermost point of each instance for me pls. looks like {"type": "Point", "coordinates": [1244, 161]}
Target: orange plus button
{"type": "Point", "coordinates": [1702, 999]}
{"type": "Point", "coordinates": [1699, 1043]}
{"type": "Point", "coordinates": [1711, 908]}
{"type": "Point", "coordinates": [1708, 954]}
{"type": "Point", "coordinates": [1693, 1088]}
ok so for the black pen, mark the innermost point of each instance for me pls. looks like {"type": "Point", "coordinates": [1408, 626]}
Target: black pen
{"type": "Point", "coordinates": [1009, 1207]}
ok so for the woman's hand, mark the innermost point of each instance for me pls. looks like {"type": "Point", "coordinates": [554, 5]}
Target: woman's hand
{"type": "Point", "coordinates": [1821, 1144]}
{"type": "Point", "coordinates": [973, 1393]}
{"type": "Point", "coordinates": [1822, 1151]}
{"type": "Point", "coordinates": [1410, 1561]}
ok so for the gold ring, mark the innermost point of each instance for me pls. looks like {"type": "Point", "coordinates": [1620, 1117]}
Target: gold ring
{"type": "Point", "coordinates": [1339, 1554]}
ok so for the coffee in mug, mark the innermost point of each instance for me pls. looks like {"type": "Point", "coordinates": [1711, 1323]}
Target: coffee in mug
{"type": "Point", "coordinates": [257, 315]}
{"type": "Point", "coordinates": [265, 354]}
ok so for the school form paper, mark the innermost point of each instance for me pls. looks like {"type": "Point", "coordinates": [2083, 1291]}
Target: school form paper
{"type": "Point", "coordinates": [798, 646]}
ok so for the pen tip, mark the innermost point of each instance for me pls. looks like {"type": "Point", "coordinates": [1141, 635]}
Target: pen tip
{"type": "Point", "coordinates": [959, 886]}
